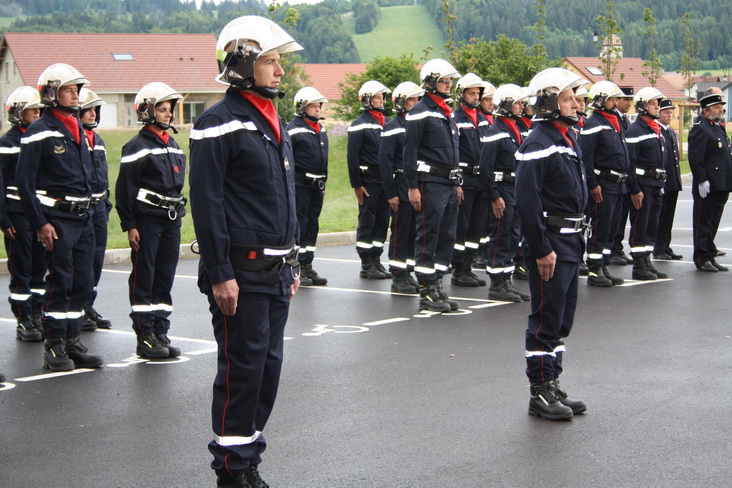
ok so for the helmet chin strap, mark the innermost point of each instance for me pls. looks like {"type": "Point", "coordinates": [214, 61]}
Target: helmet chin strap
{"type": "Point", "coordinates": [313, 119]}
{"type": "Point", "coordinates": [267, 92]}
{"type": "Point", "coordinates": [471, 105]}
{"type": "Point", "coordinates": [378, 109]}
{"type": "Point", "coordinates": [160, 125]}
{"type": "Point", "coordinates": [68, 109]}
{"type": "Point", "coordinates": [573, 120]}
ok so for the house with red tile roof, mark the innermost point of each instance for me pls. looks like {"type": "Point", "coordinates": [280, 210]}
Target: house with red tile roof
{"type": "Point", "coordinates": [117, 66]}
{"type": "Point", "coordinates": [325, 77]}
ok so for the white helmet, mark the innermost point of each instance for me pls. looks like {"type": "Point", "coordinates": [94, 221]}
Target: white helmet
{"type": "Point", "coordinates": [402, 92]}
{"type": "Point", "coordinates": [644, 96]}
{"type": "Point", "coordinates": [488, 89]}
{"type": "Point", "coordinates": [601, 91]}
{"type": "Point", "coordinates": [504, 98]}
{"type": "Point", "coordinates": [432, 71]}
{"type": "Point", "coordinates": [582, 93]}
{"type": "Point", "coordinates": [304, 97]}
{"type": "Point", "coordinates": [545, 88]}
{"type": "Point", "coordinates": [53, 78]}
{"type": "Point", "coordinates": [90, 100]}
{"type": "Point", "coordinates": [368, 90]}
{"type": "Point", "coordinates": [149, 96]}
{"type": "Point", "coordinates": [241, 42]}
{"type": "Point", "coordinates": [471, 80]}
{"type": "Point", "coordinates": [21, 99]}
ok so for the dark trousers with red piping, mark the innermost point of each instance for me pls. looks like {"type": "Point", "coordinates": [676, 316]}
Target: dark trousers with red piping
{"type": "Point", "coordinates": [403, 233]}
{"type": "Point", "coordinates": [249, 364]}
{"type": "Point", "coordinates": [605, 219]}
{"type": "Point", "coordinates": [553, 304]}
{"type": "Point", "coordinates": [707, 215]}
{"type": "Point", "coordinates": [436, 225]}
{"type": "Point", "coordinates": [471, 219]}
{"type": "Point", "coordinates": [503, 241]}
{"type": "Point", "coordinates": [644, 221]}
{"type": "Point", "coordinates": [666, 223]}
{"type": "Point", "coordinates": [309, 204]}
{"type": "Point", "coordinates": [373, 222]}
{"type": "Point", "coordinates": [153, 272]}
{"type": "Point", "coordinates": [100, 220]}
{"type": "Point", "coordinates": [27, 267]}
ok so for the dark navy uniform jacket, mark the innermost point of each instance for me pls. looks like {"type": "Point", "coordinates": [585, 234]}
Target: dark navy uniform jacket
{"type": "Point", "coordinates": [390, 158]}
{"type": "Point", "coordinates": [100, 176]}
{"type": "Point", "coordinates": [9, 152]}
{"type": "Point", "coordinates": [364, 137]}
{"type": "Point", "coordinates": [673, 171]}
{"type": "Point", "coordinates": [603, 148]}
{"type": "Point", "coordinates": [550, 177]}
{"type": "Point", "coordinates": [710, 156]}
{"type": "Point", "coordinates": [499, 155]}
{"type": "Point", "coordinates": [150, 164]}
{"type": "Point", "coordinates": [470, 145]}
{"type": "Point", "coordinates": [51, 160]}
{"type": "Point", "coordinates": [432, 138]}
{"type": "Point", "coordinates": [646, 151]}
{"type": "Point", "coordinates": [311, 148]}
{"type": "Point", "coordinates": [242, 189]}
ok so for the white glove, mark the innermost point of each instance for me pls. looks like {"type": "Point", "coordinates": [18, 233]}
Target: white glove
{"type": "Point", "coordinates": [704, 189]}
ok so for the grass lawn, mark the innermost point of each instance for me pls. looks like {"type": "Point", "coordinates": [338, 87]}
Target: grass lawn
{"type": "Point", "coordinates": [395, 31]}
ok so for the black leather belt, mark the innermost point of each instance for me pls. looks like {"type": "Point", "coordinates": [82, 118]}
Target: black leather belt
{"type": "Point", "coordinates": [565, 223]}
{"type": "Point", "coordinates": [66, 203]}
{"type": "Point", "coordinates": [470, 169]}
{"type": "Point", "coordinates": [451, 173]}
{"type": "Point", "coordinates": [653, 173]}
{"type": "Point", "coordinates": [96, 198]}
{"type": "Point", "coordinates": [611, 175]}
{"type": "Point", "coordinates": [311, 179]}
{"type": "Point", "coordinates": [500, 176]}
{"type": "Point", "coordinates": [260, 258]}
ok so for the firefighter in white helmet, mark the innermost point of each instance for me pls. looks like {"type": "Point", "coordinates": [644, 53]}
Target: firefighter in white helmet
{"type": "Point", "coordinates": [431, 157]}
{"type": "Point", "coordinates": [26, 256]}
{"type": "Point", "coordinates": [583, 97]}
{"type": "Point", "coordinates": [551, 197]}
{"type": "Point", "coordinates": [364, 137]}
{"type": "Point", "coordinates": [310, 149]}
{"type": "Point", "coordinates": [54, 180]}
{"type": "Point", "coordinates": [486, 101]}
{"type": "Point", "coordinates": [242, 189]}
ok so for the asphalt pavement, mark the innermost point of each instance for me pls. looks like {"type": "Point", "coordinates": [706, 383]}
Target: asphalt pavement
{"type": "Point", "coordinates": [375, 394]}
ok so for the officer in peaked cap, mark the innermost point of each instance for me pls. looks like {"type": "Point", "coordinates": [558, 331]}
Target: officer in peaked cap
{"type": "Point", "coordinates": [662, 247]}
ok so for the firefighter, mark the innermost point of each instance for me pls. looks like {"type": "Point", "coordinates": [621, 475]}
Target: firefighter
{"type": "Point", "coordinates": [54, 176]}
{"type": "Point", "coordinates": [364, 136]}
{"type": "Point", "coordinates": [26, 256]}
{"type": "Point", "coordinates": [403, 223]}
{"type": "Point", "coordinates": [472, 126]}
{"type": "Point", "coordinates": [486, 108]}
{"type": "Point", "coordinates": [90, 115]}
{"type": "Point", "coordinates": [662, 246]}
{"type": "Point", "coordinates": [310, 149]}
{"type": "Point", "coordinates": [618, 256]}
{"type": "Point", "coordinates": [551, 196]}
{"type": "Point", "coordinates": [431, 157]}
{"type": "Point", "coordinates": [150, 207]}
{"type": "Point", "coordinates": [244, 212]}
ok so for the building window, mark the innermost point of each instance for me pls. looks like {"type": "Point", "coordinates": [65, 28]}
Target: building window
{"type": "Point", "coordinates": [191, 111]}
{"type": "Point", "coordinates": [123, 57]}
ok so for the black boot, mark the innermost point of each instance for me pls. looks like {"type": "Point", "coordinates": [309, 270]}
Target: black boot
{"type": "Point", "coordinates": [377, 263]}
{"type": "Point", "coordinates": [55, 356]}
{"type": "Point", "coordinates": [525, 297]}
{"type": "Point", "coordinates": [429, 299]}
{"type": "Point", "coordinates": [583, 269]}
{"type": "Point", "coordinates": [463, 276]}
{"type": "Point", "coordinates": [577, 406]}
{"type": "Point", "coordinates": [521, 272]}
{"type": "Point", "coordinates": [253, 477]}
{"type": "Point", "coordinates": [652, 269]}
{"type": "Point", "coordinates": [544, 402]}
{"type": "Point", "coordinates": [237, 480]}
{"type": "Point", "coordinates": [499, 291]}
{"type": "Point", "coordinates": [79, 354]}
{"type": "Point", "coordinates": [370, 271]}
{"type": "Point", "coordinates": [596, 277]}
{"type": "Point", "coordinates": [149, 347]}
{"type": "Point", "coordinates": [96, 317]}
{"type": "Point", "coordinates": [614, 279]}
{"type": "Point", "coordinates": [454, 305]}
{"type": "Point", "coordinates": [27, 331]}
{"type": "Point", "coordinates": [410, 279]}
{"type": "Point", "coordinates": [640, 269]}
{"type": "Point", "coordinates": [2, 378]}
{"type": "Point", "coordinates": [173, 351]}
{"type": "Point", "coordinates": [399, 283]}
{"type": "Point", "coordinates": [304, 278]}
{"type": "Point", "coordinates": [313, 275]}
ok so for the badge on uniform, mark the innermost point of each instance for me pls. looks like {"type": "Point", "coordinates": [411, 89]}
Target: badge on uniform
{"type": "Point", "coordinates": [287, 164]}
{"type": "Point", "coordinates": [719, 144]}
{"type": "Point", "coordinates": [62, 149]}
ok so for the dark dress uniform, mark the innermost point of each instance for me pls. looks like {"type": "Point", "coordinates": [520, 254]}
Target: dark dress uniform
{"type": "Point", "coordinates": [605, 156]}
{"type": "Point", "coordinates": [364, 137]}
{"type": "Point", "coordinates": [310, 148]}
{"type": "Point", "coordinates": [26, 256]}
{"type": "Point", "coordinates": [148, 198]}
{"type": "Point", "coordinates": [431, 152]}
{"type": "Point", "coordinates": [670, 193]}
{"type": "Point", "coordinates": [710, 159]}
{"type": "Point", "coordinates": [242, 189]}
{"type": "Point", "coordinates": [551, 196]}
{"type": "Point", "coordinates": [472, 210]}
{"type": "Point", "coordinates": [54, 176]}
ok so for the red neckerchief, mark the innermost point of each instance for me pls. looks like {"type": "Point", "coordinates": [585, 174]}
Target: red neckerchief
{"type": "Point", "coordinates": [512, 125]}
{"type": "Point", "coordinates": [378, 116]}
{"type": "Point", "coordinates": [472, 114]}
{"type": "Point", "coordinates": [581, 122]}
{"type": "Point", "coordinates": [527, 121]}
{"type": "Point", "coordinates": [653, 125]}
{"type": "Point", "coordinates": [71, 123]}
{"type": "Point", "coordinates": [266, 108]}
{"type": "Point", "coordinates": [564, 131]}
{"type": "Point", "coordinates": [612, 118]}
{"type": "Point", "coordinates": [22, 129]}
{"type": "Point", "coordinates": [442, 104]}
{"type": "Point", "coordinates": [489, 118]}
{"type": "Point", "coordinates": [164, 136]}
{"type": "Point", "coordinates": [314, 125]}
{"type": "Point", "coordinates": [90, 137]}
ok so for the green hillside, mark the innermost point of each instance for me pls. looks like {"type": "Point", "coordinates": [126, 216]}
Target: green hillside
{"type": "Point", "coordinates": [407, 29]}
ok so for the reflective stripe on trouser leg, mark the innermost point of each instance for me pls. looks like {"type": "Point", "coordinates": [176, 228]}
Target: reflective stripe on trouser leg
{"type": "Point", "coordinates": [373, 220]}
{"type": "Point", "coordinates": [503, 240]}
{"type": "Point", "coordinates": [435, 231]}
{"type": "Point", "coordinates": [308, 204]}
{"type": "Point", "coordinates": [403, 232]}
{"type": "Point", "coordinates": [27, 267]}
{"type": "Point", "coordinates": [644, 220]}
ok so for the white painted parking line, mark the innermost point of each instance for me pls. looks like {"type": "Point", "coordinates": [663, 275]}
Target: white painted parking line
{"type": "Point", "coordinates": [202, 351]}
{"type": "Point", "coordinates": [387, 321]}
{"type": "Point", "coordinates": [177, 338]}
{"type": "Point", "coordinates": [53, 375]}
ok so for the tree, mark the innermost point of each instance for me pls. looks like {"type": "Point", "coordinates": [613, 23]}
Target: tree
{"type": "Point", "coordinates": [610, 54]}
{"type": "Point", "coordinates": [689, 62]}
{"type": "Point", "coordinates": [505, 60]}
{"type": "Point", "coordinates": [652, 66]}
{"type": "Point", "coordinates": [450, 20]}
{"type": "Point", "coordinates": [386, 69]}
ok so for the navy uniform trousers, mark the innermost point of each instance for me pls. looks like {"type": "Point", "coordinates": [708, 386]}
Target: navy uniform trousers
{"type": "Point", "coordinates": [644, 221]}
{"type": "Point", "coordinates": [153, 273]}
{"type": "Point", "coordinates": [373, 222]}
{"type": "Point", "coordinates": [99, 221]}
{"type": "Point", "coordinates": [553, 305]}
{"type": "Point", "coordinates": [27, 267]}
{"type": "Point", "coordinates": [666, 222]}
{"type": "Point", "coordinates": [257, 328]}
{"type": "Point", "coordinates": [707, 215]}
{"type": "Point", "coordinates": [605, 220]}
{"type": "Point", "coordinates": [503, 240]}
{"type": "Point", "coordinates": [69, 279]}
{"type": "Point", "coordinates": [471, 219]}
{"type": "Point", "coordinates": [309, 204]}
{"type": "Point", "coordinates": [403, 234]}
{"type": "Point", "coordinates": [436, 225]}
